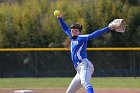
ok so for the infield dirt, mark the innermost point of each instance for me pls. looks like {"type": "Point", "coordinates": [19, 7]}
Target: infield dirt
{"type": "Point", "coordinates": [105, 90]}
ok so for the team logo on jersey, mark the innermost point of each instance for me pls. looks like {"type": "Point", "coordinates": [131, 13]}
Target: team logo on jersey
{"type": "Point", "coordinates": [75, 42]}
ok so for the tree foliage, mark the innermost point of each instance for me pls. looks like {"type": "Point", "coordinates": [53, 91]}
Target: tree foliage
{"type": "Point", "coordinates": [30, 23]}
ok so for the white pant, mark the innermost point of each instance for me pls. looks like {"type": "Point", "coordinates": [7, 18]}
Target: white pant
{"type": "Point", "coordinates": [84, 73]}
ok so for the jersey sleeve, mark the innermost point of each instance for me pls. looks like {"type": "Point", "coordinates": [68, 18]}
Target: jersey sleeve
{"type": "Point", "coordinates": [97, 33]}
{"type": "Point", "coordinates": [65, 27]}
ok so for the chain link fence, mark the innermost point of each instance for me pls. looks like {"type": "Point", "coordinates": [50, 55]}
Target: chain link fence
{"type": "Point", "coordinates": [107, 63]}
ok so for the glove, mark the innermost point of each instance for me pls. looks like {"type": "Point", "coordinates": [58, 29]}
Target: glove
{"type": "Point", "coordinates": [117, 25]}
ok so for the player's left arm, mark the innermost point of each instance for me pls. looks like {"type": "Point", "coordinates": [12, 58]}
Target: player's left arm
{"type": "Point", "coordinates": [98, 33]}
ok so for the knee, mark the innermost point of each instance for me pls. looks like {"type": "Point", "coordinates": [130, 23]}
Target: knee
{"type": "Point", "coordinates": [85, 84]}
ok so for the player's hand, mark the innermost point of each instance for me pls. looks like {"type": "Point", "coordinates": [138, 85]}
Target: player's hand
{"type": "Point", "coordinates": [60, 15]}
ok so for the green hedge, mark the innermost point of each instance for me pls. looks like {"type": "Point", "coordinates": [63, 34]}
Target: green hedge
{"type": "Point", "coordinates": [31, 23]}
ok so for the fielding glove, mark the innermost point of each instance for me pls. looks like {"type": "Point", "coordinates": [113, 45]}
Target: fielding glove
{"type": "Point", "coordinates": [117, 25]}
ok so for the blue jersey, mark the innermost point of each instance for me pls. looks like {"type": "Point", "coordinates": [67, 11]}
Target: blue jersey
{"type": "Point", "coordinates": [79, 45]}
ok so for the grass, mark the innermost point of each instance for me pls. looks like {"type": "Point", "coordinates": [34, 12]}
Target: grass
{"type": "Point", "coordinates": [109, 82]}
{"type": "Point", "coordinates": [117, 82]}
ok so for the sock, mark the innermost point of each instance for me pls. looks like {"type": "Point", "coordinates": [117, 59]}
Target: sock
{"type": "Point", "coordinates": [90, 89]}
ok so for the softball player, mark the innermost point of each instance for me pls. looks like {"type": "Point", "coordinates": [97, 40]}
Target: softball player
{"type": "Point", "coordinates": [78, 47]}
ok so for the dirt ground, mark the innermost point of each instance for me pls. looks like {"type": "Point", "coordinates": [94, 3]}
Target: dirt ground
{"type": "Point", "coordinates": [79, 91]}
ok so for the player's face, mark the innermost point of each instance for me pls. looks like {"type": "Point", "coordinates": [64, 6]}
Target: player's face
{"type": "Point", "coordinates": [75, 32]}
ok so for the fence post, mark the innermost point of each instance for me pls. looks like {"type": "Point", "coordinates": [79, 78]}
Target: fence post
{"type": "Point", "coordinates": [134, 64]}
{"type": "Point", "coordinates": [36, 64]}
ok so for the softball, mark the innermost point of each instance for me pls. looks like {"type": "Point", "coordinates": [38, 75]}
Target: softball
{"type": "Point", "coordinates": [56, 12]}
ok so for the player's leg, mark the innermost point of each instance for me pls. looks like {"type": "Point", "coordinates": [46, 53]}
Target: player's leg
{"type": "Point", "coordinates": [85, 75]}
{"type": "Point", "coordinates": [75, 84]}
